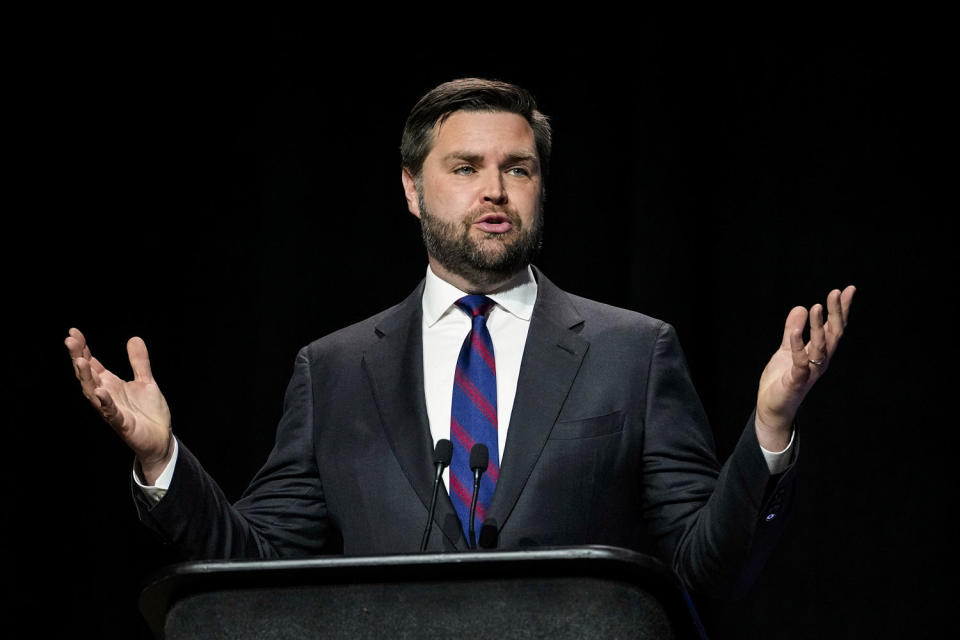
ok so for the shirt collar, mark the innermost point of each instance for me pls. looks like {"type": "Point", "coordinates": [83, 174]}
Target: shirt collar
{"type": "Point", "coordinates": [517, 298]}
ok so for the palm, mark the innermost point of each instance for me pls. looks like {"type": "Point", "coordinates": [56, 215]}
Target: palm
{"type": "Point", "coordinates": [795, 366]}
{"type": "Point", "coordinates": [782, 388]}
{"type": "Point", "coordinates": [143, 409]}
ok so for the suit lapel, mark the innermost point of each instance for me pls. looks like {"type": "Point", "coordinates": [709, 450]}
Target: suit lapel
{"type": "Point", "coordinates": [551, 359]}
{"type": "Point", "coordinates": [394, 366]}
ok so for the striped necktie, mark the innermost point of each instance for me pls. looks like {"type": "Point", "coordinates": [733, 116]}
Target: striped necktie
{"type": "Point", "coordinates": [473, 416]}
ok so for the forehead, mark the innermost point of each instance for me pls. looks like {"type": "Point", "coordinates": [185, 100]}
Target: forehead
{"type": "Point", "coordinates": [483, 132]}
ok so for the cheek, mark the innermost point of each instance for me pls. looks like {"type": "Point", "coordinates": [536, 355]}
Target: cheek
{"type": "Point", "coordinates": [527, 202]}
{"type": "Point", "coordinates": [445, 199]}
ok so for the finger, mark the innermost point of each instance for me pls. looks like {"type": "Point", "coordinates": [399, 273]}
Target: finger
{"type": "Point", "coordinates": [139, 360]}
{"type": "Point", "coordinates": [87, 384]}
{"type": "Point", "coordinates": [818, 344]}
{"type": "Point", "coordinates": [75, 343]}
{"type": "Point", "coordinates": [72, 348]}
{"type": "Point", "coordinates": [835, 321]}
{"type": "Point", "coordinates": [834, 313]}
{"type": "Point", "coordinates": [796, 320]}
{"type": "Point", "coordinates": [846, 301]}
{"type": "Point", "coordinates": [77, 347]}
{"type": "Point", "coordinates": [109, 410]}
{"type": "Point", "coordinates": [96, 366]}
{"type": "Point", "coordinates": [97, 380]}
{"type": "Point", "coordinates": [801, 362]}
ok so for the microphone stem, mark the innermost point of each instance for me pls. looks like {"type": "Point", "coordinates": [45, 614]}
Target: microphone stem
{"type": "Point", "coordinates": [473, 508]}
{"type": "Point", "coordinates": [433, 507]}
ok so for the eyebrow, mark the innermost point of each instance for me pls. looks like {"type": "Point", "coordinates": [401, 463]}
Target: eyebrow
{"type": "Point", "coordinates": [476, 158]}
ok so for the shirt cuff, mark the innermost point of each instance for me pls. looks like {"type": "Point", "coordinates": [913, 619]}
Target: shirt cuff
{"type": "Point", "coordinates": [156, 492]}
{"type": "Point", "coordinates": [778, 462]}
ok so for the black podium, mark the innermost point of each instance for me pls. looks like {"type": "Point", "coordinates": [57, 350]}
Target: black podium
{"type": "Point", "coordinates": [572, 592]}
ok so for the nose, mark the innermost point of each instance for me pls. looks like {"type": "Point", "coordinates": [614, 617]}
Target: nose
{"type": "Point", "coordinates": [494, 190]}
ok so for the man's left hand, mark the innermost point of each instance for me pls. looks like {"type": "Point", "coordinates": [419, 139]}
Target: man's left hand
{"type": "Point", "coordinates": [796, 366]}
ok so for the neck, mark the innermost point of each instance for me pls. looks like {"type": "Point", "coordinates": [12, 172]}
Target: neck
{"type": "Point", "coordinates": [481, 283]}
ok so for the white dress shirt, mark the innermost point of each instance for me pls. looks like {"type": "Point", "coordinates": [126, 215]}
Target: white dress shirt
{"type": "Point", "coordinates": [445, 327]}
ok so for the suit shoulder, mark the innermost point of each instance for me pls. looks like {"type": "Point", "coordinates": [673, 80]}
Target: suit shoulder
{"type": "Point", "coordinates": [604, 317]}
{"type": "Point", "coordinates": [351, 339]}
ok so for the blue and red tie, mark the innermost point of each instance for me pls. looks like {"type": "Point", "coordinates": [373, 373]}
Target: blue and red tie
{"type": "Point", "coordinates": [473, 416]}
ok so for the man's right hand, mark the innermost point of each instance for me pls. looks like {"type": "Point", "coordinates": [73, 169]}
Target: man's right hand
{"type": "Point", "coordinates": [136, 410]}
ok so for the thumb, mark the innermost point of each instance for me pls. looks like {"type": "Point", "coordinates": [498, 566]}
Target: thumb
{"type": "Point", "coordinates": [139, 360]}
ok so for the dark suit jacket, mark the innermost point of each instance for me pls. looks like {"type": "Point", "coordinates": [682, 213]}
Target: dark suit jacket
{"type": "Point", "coordinates": [608, 444]}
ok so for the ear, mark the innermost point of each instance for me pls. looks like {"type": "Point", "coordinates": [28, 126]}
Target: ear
{"type": "Point", "coordinates": [410, 191]}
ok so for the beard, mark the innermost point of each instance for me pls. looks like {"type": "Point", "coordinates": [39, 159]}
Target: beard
{"type": "Point", "coordinates": [486, 261]}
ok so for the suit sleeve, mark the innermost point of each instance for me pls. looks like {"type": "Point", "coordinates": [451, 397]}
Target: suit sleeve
{"type": "Point", "coordinates": [717, 525]}
{"type": "Point", "coordinates": [282, 513]}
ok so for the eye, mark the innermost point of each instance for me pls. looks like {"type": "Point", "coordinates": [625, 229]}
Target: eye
{"type": "Point", "coordinates": [465, 170]}
{"type": "Point", "coordinates": [519, 172]}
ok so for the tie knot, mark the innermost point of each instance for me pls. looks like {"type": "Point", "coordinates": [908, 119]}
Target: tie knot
{"type": "Point", "coordinates": [475, 305]}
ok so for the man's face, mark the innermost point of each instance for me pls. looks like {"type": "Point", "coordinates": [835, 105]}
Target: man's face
{"type": "Point", "coordinates": [479, 198]}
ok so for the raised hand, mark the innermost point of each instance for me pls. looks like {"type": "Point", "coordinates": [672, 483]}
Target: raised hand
{"type": "Point", "coordinates": [796, 366]}
{"type": "Point", "coordinates": [135, 409]}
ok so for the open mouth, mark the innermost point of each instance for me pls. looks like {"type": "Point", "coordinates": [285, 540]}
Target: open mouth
{"type": "Point", "coordinates": [494, 223]}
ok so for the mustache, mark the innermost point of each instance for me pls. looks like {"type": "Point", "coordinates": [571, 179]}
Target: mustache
{"type": "Point", "coordinates": [474, 215]}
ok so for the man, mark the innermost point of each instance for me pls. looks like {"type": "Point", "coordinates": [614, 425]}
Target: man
{"type": "Point", "coordinates": [595, 434]}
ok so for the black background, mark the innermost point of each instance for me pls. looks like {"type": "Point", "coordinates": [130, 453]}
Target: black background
{"type": "Point", "coordinates": [228, 189]}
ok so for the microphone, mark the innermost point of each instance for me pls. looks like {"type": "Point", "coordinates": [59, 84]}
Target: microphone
{"type": "Point", "coordinates": [488, 534]}
{"type": "Point", "coordinates": [479, 459]}
{"type": "Point", "coordinates": [442, 454]}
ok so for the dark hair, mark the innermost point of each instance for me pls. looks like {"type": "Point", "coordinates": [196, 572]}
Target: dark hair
{"type": "Point", "coordinates": [469, 94]}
